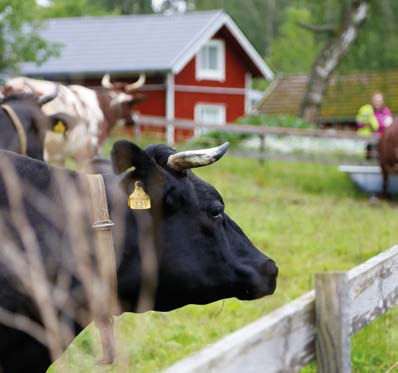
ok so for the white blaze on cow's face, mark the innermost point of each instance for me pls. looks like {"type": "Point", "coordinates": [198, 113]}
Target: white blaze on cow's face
{"type": "Point", "coordinates": [120, 98]}
{"type": "Point", "coordinates": [121, 105]}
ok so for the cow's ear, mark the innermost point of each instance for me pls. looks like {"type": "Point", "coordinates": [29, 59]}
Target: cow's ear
{"type": "Point", "coordinates": [126, 154]}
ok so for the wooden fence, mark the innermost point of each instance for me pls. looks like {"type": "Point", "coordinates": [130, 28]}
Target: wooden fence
{"type": "Point", "coordinates": [259, 130]}
{"type": "Point", "coordinates": [316, 325]}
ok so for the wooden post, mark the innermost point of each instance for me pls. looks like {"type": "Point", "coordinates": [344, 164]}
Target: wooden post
{"type": "Point", "coordinates": [137, 130]}
{"type": "Point", "coordinates": [262, 149]}
{"type": "Point", "coordinates": [332, 316]}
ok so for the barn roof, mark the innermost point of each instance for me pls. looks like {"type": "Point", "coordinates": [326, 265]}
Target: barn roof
{"type": "Point", "coordinates": [345, 94]}
{"type": "Point", "coordinates": [135, 43]}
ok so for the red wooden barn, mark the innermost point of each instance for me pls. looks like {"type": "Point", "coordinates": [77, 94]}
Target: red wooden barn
{"type": "Point", "coordinates": [198, 65]}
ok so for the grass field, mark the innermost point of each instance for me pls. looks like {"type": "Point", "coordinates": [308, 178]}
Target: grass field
{"type": "Point", "coordinates": [308, 218]}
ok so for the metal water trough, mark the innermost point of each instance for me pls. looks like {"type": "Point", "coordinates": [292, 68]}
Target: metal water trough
{"type": "Point", "coordinates": [369, 178]}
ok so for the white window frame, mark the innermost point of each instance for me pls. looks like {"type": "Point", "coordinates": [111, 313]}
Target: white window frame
{"type": "Point", "coordinates": [210, 74]}
{"type": "Point", "coordinates": [199, 107]}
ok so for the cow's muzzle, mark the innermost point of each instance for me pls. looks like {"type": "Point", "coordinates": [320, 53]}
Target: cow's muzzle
{"type": "Point", "coordinates": [263, 282]}
{"type": "Point", "coordinates": [270, 271]}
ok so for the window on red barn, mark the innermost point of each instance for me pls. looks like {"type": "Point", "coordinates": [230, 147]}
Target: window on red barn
{"type": "Point", "coordinates": [209, 114]}
{"type": "Point", "coordinates": [210, 61]}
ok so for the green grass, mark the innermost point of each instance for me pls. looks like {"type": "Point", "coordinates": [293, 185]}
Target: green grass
{"type": "Point", "coordinates": [308, 218]}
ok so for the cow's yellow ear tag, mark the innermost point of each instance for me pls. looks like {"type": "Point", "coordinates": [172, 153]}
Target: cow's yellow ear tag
{"type": "Point", "coordinates": [60, 127]}
{"type": "Point", "coordinates": [139, 200]}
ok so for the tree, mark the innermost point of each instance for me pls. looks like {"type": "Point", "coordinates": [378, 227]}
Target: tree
{"type": "Point", "coordinates": [341, 38]}
{"type": "Point", "coordinates": [374, 49]}
{"type": "Point", "coordinates": [71, 8]}
{"type": "Point", "coordinates": [258, 19]}
{"type": "Point", "coordinates": [125, 6]}
{"type": "Point", "coordinates": [175, 6]}
{"type": "Point", "coordinates": [294, 50]}
{"type": "Point", "coordinates": [19, 35]}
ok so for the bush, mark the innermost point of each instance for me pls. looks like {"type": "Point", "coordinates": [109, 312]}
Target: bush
{"type": "Point", "coordinates": [277, 120]}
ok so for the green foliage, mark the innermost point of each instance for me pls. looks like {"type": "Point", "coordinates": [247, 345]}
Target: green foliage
{"type": "Point", "coordinates": [294, 49]}
{"type": "Point", "coordinates": [374, 49]}
{"type": "Point", "coordinates": [277, 120]}
{"type": "Point", "coordinates": [124, 6]}
{"type": "Point", "coordinates": [258, 19]}
{"type": "Point", "coordinates": [307, 217]}
{"type": "Point", "coordinates": [251, 20]}
{"type": "Point", "coordinates": [71, 8]}
{"type": "Point", "coordinates": [260, 84]}
{"type": "Point", "coordinates": [19, 35]}
{"type": "Point", "coordinates": [214, 138]}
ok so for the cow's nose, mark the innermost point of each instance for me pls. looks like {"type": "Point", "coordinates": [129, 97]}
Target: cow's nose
{"type": "Point", "coordinates": [269, 268]}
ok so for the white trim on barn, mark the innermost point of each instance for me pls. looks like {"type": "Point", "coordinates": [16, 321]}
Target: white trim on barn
{"type": "Point", "coordinates": [170, 105]}
{"type": "Point", "coordinates": [206, 113]}
{"type": "Point", "coordinates": [248, 87]}
{"type": "Point", "coordinates": [181, 60]}
{"type": "Point", "coordinates": [248, 48]}
{"type": "Point", "coordinates": [203, 68]}
{"type": "Point", "coordinates": [207, 89]}
{"type": "Point", "coordinates": [202, 109]}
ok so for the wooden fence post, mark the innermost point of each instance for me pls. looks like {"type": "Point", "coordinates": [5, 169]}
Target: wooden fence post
{"type": "Point", "coordinates": [262, 149]}
{"type": "Point", "coordinates": [332, 316]}
{"type": "Point", "coordinates": [170, 134]}
{"type": "Point", "coordinates": [137, 130]}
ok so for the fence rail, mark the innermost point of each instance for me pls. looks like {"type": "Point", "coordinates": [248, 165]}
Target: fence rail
{"type": "Point", "coordinates": [284, 341]}
{"type": "Point", "coordinates": [260, 130]}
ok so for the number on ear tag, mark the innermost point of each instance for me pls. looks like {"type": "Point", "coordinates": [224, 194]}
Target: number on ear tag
{"type": "Point", "coordinates": [60, 127]}
{"type": "Point", "coordinates": [139, 200]}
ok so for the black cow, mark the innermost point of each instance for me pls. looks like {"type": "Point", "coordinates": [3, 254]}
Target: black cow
{"type": "Point", "coordinates": [202, 255]}
{"type": "Point", "coordinates": [35, 123]}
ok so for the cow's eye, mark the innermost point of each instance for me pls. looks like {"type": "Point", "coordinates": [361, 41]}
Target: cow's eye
{"type": "Point", "coordinates": [216, 212]}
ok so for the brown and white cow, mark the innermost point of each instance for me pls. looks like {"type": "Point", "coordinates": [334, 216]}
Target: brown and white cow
{"type": "Point", "coordinates": [89, 115]}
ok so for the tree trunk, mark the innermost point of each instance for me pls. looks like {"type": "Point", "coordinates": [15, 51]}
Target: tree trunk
{"type": "Point", "coordinates": [329, 57]}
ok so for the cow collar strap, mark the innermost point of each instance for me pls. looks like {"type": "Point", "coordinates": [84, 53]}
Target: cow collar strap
{"type": "Point", "coordinates": [19, 128]}
{"type": "Point", "coordinates": [102, 226]}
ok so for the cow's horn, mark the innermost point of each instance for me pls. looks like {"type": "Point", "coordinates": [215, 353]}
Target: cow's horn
{"type": "Point", "coordinates": [196, 158]}
{"type": "Point", "coordinates": [106, 82]}
{"type": "Point", "coordinates": [48, 97]}
{"type": "Point", "coordinates": [139, 83]}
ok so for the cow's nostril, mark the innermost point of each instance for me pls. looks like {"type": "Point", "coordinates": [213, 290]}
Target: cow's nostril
{"type": "Point", "coordinates": [269, 268]}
